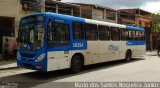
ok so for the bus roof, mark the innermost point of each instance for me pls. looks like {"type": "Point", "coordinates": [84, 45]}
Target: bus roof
{"type": "Point", "coordinates": [65, 17]}
{"type": "Point", "coordinates": [59, 16]}
{"type": "Point", "coordinates": [78, 19]}
{"type": "Point", "coordinates": [84, 20]}
{"type": "Point", "coordinates": [104, 23]}
{"type": "Point", "coordinates": [135, 28]}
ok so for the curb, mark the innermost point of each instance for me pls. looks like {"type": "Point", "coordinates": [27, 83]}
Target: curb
{"type": "Point", "coordinates": [6, 65]}
{"type": "Point", "coordinates": [151, 55]}
{"type": "Point", "coordinates": [7, 68]}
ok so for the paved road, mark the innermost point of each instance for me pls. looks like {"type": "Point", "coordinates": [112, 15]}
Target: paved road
{"type": "Point", "coordinates": [138, 70]}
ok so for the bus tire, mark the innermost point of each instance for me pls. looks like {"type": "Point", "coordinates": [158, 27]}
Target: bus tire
{"type": "Point", "coordinates": [128, 56]}
{"type": "Point", "coordinates": [76, 64]}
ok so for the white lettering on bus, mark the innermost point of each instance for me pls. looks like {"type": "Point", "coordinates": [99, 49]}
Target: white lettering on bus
{"type": "Point", "coordinates": [78, 45]}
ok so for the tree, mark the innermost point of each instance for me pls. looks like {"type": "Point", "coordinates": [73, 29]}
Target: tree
{"type": "Point", "coordinates": [155, 22]}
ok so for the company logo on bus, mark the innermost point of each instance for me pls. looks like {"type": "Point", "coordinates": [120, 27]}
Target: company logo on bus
{"type": "Point", "coordinates": [113, 48]}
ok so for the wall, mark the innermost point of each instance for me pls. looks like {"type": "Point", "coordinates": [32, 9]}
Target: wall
{"type": "Point", "coordinates": [97, 14]}
{"type": "Point", "coordinates": [86, 11]}
{"type": "Point", "coordinates": [10, 8]}
{"type": "Point", "coordinates": [142, 21]}
{"type": "Point", "coordinates": [91, 11]}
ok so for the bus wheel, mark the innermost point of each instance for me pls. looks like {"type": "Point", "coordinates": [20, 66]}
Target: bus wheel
{"type": "Point", "coordinates": [128, 55]}
{"type": "Point", "coordinates": [76, 64]}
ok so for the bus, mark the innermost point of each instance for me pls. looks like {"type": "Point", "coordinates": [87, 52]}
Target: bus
{"type": "Point", "coordinates": [50, 41]}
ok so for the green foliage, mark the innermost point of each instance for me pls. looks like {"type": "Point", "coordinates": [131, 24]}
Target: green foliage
{"type": "Point", "coordinates": [155, 22]}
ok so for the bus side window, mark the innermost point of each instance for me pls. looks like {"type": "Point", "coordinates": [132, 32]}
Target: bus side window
{"type": "Point", "coordinates": [49, 27]}
{"type": "Point", "coordinates": [115, 34]}
{"type": "Point", "coordinates": [124, 34]}
{"type": "Point", "coordinates": [91, 32]}
{"type": "Point", "coordinates": [58, 35]}
{"type": "Point", "coordinates": [104, 32]}
{"type": "Point", "coordinates": [132, 35]}
{"type": "Point", "coordinates": [138, 35]}
{"type": "Point", "coordinates": [78, 33]}
{"type": "Point", "coordinates": [142, 35]}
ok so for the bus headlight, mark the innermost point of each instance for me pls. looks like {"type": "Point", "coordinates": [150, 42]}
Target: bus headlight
{"type": "Point", "coordinates": [18, 56]}
{"type": "Point", "coordinates": [40, 57]}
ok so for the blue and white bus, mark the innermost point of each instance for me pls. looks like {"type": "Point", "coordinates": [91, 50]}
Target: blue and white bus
{"type": "Point", "coordinates": [50, 41]}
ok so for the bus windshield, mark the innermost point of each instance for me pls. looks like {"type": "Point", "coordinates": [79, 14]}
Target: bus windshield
{"type": "Point", "coordinates": [31, 33]}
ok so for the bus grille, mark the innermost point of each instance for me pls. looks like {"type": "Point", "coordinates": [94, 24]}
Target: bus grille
{"type": "Point", "coordinates": [27, 55]}
{"type": "Point", "coordinates": [27, 65]}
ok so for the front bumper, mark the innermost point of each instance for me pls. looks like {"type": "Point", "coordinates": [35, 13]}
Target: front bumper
{"type": "Point", "coordinates": [40, 66]}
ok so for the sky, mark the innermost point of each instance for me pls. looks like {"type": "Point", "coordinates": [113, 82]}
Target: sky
{"type": "Point", "coordinates": [148, 5]}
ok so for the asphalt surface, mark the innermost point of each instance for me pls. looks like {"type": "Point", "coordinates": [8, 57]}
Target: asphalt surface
{"type": "Point", "coordinates": [144, 69]}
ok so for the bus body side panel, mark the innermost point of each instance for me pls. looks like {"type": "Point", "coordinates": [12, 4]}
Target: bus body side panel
{"type": "Point", "coordinates": [58, 60]}
{"type": "Point", "coordinates": [56, 56]}
{"type": "Point", "coordinates": [124, 49]}
{"type": "Point", "coordinates": [110, 50]}
{"type": "Point", "coordinates": [62, 62]}
{"type": "Point", "coordinates": [60, 57]}
{"type": "Point", "coordinates": [92, 53]}
{"type": "Point", "coordinates": [138, 47]}
{"type": "Point", "coordinates": [103, 51]}
{"type": "Point", "coordinates": [141, 48]}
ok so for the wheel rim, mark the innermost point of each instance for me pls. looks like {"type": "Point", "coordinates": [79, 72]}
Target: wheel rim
{"type": "Point", "coordinates": [78, 64]}
{"type": "Point", "coordinates": [128, 56]}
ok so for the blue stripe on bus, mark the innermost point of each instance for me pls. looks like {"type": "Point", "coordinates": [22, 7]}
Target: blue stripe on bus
{"type": "Point", "coordinates": [132, 43]}
{"type": "Point", "coordinates": [59, 16]}
{"type": "Point", "coordinates": [65, 17]}
{"type": "Point", "coordinates": [134, 28]}
{"type": "Point", "coordinates": [75, 45]}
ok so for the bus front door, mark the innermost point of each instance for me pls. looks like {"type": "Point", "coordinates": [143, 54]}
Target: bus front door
{"type": "Point", "coordinates": [58, 45]}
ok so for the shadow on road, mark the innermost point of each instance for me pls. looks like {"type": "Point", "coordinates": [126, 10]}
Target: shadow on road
{"type": "Point", "coordinates": [32, 79]}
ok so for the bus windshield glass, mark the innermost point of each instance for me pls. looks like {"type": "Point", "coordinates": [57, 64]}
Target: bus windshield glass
{"type": "Point", "coordinates": [31, 33]}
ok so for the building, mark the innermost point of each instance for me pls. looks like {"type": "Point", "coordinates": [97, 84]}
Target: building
{"type": "Point", "coordinates": [126, 18]}
{"type": "Point", "coordinates": [140, 18]}
{"type": "Point", "coordinates": [62, 8]}
{"type": "Point", "coordinates": [9, 19]}
{"type": "Point", "coordinates": [89, 11]}
{"type": "Point", "coordinates": [137, 17]}
{"type": "Point", "coordinates": [11, 12]}
{"type": "Point", "coordinates": [97, 12]}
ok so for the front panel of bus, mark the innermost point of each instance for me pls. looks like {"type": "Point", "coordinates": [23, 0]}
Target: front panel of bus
{"type": "Point", "coordinates": [32, 52]}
